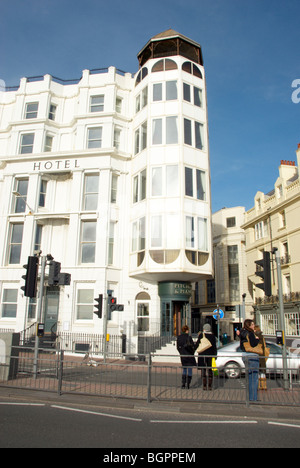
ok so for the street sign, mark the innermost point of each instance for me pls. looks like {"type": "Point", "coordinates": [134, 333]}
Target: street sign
{"type": "Point", "coordinates": [218, 314]}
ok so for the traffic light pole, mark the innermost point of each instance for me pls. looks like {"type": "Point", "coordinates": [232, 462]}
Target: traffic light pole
{"type": "Point", "coordinates": [281, 318]}
{"type": "Point", "coordinates": [39, 314]}
{"type": "Point", "coordinates": [105, 320]}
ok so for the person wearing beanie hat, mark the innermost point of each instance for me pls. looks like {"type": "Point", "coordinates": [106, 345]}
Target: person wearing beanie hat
{"type": "Point", "coordinates": [206, 357]}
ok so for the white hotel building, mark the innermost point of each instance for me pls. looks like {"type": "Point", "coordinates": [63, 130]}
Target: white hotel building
{"type": "Point", "coordinates": [109, 174]}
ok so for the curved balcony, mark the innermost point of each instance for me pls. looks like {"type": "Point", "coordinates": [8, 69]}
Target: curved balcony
{"type": "Point", "coordinates": [165, 265]}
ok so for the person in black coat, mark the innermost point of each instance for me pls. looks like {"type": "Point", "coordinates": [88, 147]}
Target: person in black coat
{"type": "Point", "coordinates": [186, 349]}
{"type": "Point", "coordinates": [205, 358]}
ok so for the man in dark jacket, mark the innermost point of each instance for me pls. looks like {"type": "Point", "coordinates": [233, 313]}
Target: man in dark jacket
{"type": "Point", "coordinates": [186, 349]}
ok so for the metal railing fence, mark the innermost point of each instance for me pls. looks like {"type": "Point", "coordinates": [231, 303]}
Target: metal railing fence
{"type": "Point", "coordinates": [90, 343]}
{"type": "Point", "coordinates": [142, 379]}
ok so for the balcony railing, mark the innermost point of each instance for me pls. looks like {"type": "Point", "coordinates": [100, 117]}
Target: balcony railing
{"type": "Point", "coordinates": [291, 297]}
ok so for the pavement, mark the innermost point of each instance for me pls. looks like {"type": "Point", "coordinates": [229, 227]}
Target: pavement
{"type": "Point", "coordinates": [279, 413]}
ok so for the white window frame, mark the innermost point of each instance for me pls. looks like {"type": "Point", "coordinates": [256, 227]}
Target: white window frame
{"type": "Point", "coordinates": [97, 106]}
{"type": "Point", "coordinates": [161, 185]}
{"type": "Point", "coordinates": [26, 148]}
{"type": "Point", "coordinates": [11, 243]}
{"type": "Point", "coordinates": [194, 134]}
{"type": "Point", "coordinates": [138, 241]}
{"type": "Point", "coordinates": [140, 138]}
{"type": "Point", "coordinates": [48, 145]}
{"type": "Point", "coordinates": [145, 318]}
{"type": "Point", "coordinates": [86, 194]}
{"type": "Point", "coordinates": [52, 111]}
{"type": "Point", "coordinates": [139, 186]}
{"type": "Point", "coordinates": [161, 134]}
{"type": "Point", "coordinates": [4, 303]}
{"type": "Point", "coordinates": [84, 242]}
{"type": "Point", "coordinates": [33, 113]}
{"type": "Point", "coordinates": [94, 142]}
{"type": "Point", "coordinates": [22, 198]}
{"type": "Point", "coordinates": [89, 305]}
{"type": "Point", "coordinates": [164, 91]}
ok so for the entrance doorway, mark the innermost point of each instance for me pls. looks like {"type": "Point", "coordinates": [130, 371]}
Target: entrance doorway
{"type": "Point", "coordinates": [175, 306]}
{"type": "Point", "coordinates": [174, 316]}
{"type": "Point", "coordinates": [51, 308]}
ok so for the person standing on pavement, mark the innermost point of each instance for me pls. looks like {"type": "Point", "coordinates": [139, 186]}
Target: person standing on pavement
{"type": "Point", "coordinates": [206, 357]}
{"type": "Point", "coordinates": [250, 357]}
{"type": "Point", "coordinates": [186, 349]}
{"type": "Point", "coordinates": [262, 359]}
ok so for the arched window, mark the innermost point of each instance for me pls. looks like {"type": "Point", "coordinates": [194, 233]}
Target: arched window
{"type": "Point", "coordinates": [142, 296]}
{"type": "Point", "coordinates": [164, 65]}
{"type": "Point", "coordinates": [192, 69]}
{"type": "Point", "coordinates": [141, 75]}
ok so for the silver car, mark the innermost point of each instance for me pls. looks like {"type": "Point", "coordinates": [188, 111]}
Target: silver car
{"type": "Point", "coordinates": [230, 362]}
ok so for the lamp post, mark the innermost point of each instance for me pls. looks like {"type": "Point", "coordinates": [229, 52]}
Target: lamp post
{"type": "Point", "coordinates": [281, 317]}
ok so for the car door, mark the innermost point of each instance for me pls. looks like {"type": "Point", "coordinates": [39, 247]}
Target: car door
{"type": "Point", "coordinates": [274, 362]}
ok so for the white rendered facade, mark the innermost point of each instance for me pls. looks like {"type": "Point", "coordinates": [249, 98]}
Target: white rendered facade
{"type": "Point", "coordinates": [114, 181]}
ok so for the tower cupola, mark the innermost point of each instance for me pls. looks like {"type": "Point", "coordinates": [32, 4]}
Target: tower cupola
{"type": "Point", "coordinates": [170, 43]}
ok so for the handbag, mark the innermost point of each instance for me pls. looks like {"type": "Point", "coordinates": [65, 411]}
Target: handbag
{"type": "Point", "coordinates": [256, 350]}
{"type": "Point", "coordinates": [204, 344]}
{"type": "Point", "coordinates": [266, 350]}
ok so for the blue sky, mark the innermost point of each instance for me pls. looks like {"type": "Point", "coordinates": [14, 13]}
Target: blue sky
{"type": "Point", "coordinates": [251, 54]}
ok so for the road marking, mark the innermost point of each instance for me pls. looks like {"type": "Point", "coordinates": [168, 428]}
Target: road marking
{"type": "Point", "coordinates": [21, 404]}
{"type": "Point", "coordinates": [283, 424]}
{"type": "Point", "coordinates": [204, 422]}
{"type": "Point", "coordinates": [95, 413]}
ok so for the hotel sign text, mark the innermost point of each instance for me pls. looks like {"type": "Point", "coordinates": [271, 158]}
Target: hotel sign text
{"type": "Point", "coordinates": [55, 165]}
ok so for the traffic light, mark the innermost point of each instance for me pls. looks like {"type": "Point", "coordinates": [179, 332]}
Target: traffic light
{"type": "Point", "coordinates": [113, 305]}
{"type": "Point", "coordinates": [64, 279]}
{"type": "Point", "coordinates": [31, 277]}
{"type": "Point", "coordinates": [98, 306]}
{"type": "Point", "coordinates": [263, 270]}
{"type": "Point", "coordinates": [54, 271]}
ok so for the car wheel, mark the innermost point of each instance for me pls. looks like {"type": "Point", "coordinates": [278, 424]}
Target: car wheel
{"type": "Point", "coordinates": [232, 370]}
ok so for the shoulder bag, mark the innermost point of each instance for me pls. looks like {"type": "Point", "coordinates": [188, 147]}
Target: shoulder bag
{"type": "Point", "coordinates": [256, 350]}
{"type": "Point", "coordinates": [204, 344]}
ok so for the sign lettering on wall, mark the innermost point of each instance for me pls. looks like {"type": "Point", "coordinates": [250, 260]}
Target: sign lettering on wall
{"type": "Point", "coordinates": [55, 165]}
{"type": "Point", "coordinates": [182, 288]}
